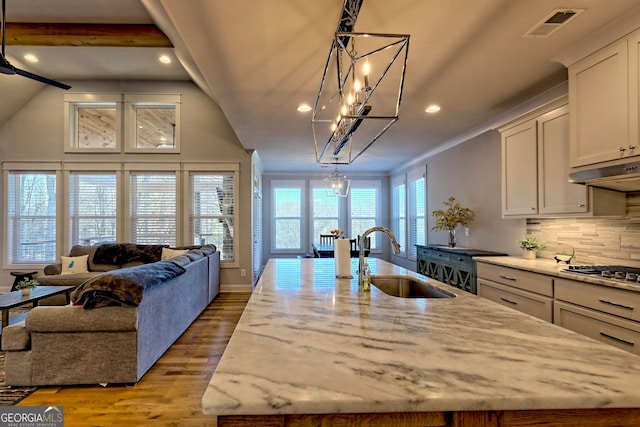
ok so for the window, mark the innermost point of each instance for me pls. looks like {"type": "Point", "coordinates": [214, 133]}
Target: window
{"type": "Point", "coordinates": [365, 208]}
{"type": "Point", "coordinates": [152, 207]}
{"type": "Point", "coordinates": [31, 225]}
{"type": "Point", "coordinates": [92, 122]}
{"type": "Point", "coordinates": [152, 123]}
{"type": "Point", "coordinates": [92, 208]}
{"type": "Point", "coordinates": [324, 211]}
{"type": "Point", "coordinates": [212, 211]}
{"type": "Point", "coordinates": [417, 208]}
{"type": "Point", "coordinates": [287, 215]}
{"type": "Point", "coordinates": [399, 212]}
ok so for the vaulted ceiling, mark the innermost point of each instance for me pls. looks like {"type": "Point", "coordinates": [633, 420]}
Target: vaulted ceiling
{"type": "Point", "coordinates": [260, 59]}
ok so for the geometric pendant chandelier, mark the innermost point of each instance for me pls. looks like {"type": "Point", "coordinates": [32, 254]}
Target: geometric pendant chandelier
{"type": "Point", "coordinates": [360, 92]}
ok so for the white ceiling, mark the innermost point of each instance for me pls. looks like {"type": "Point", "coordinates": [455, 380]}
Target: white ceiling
{"type": "Point", "coordinates": [259, 59]}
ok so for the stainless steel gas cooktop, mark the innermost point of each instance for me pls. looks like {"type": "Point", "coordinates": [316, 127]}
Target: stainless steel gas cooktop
{"type": "Point", "coordinates": [614, 272]}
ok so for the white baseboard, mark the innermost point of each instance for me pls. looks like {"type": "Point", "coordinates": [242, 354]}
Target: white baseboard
{"type": "Point", "coordinates": [235, 288]}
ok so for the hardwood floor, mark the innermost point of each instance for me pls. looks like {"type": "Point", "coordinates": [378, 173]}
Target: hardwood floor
{"type": "Point", "coordinates": [170, 392]}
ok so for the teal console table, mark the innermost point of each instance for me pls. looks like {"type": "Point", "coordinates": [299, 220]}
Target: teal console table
{"type": "Point", "coordinates": [453, 266]}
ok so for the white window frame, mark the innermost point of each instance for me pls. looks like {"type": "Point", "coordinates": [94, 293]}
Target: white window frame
{"type": "Point", "coordinates": [31, 167]}
{"type": "Point", "coordinates": [297, 184]}
{"type": "Point", "coordinates": [213, 169]}
{"type": "Point", "coordinates": [74, 101]}
{"type": "Point", "coordinates": [132, 102]}
{"type": "Point", "coordinates": [151, 168]}
{"type": "Point", "coordinates": [71, 168]}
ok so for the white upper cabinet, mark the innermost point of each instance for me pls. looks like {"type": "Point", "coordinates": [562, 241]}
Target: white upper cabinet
{"type": "Point", "coordinates": [520, 170]}
{"type": "Point", "coordinates": [555, 193]}
{"type": "Point", "coordinates": [535, 171]}
{"type": "Point", "coordinates": [603, 100]}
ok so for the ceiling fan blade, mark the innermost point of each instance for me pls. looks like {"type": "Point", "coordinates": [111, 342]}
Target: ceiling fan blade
{"type": "Point", "coordinates": [41, 79]}
{"type": "Point", "coordinates": [5, 67]}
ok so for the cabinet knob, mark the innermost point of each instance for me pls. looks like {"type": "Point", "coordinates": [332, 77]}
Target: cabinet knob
{"type": "Point", "coordinates": [533, 209]}
{"type": "Point", "coordinates": [621, 149]}
{"type": "Point", "coordinates": [581, 205]}
{"type": "Point", "coordinates": [632, 147]}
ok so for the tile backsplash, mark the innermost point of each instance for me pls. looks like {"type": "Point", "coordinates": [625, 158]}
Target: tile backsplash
{"type": "Point", "coordinates": [599, 240]}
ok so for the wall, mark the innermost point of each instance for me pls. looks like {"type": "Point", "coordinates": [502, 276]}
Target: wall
{"type": "Point", "coordinates": [36, 132]}
{"type": "Point", "coordinates": [471, 172]}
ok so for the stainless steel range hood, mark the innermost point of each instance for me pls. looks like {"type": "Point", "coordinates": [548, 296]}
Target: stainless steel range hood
{"type": "Point", "coordinates": [625, 177]}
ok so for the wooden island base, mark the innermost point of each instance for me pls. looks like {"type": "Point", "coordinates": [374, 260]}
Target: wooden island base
{"type": "Point", "coordinates": [529, 418]}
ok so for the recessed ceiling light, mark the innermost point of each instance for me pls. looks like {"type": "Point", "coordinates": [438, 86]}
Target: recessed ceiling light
{"type": "Point", "coordinates": [165, 59]}
{"type": "Point", "coordinates": [31, 57]}
{"type": "Point", "coordinates": [433, 108]}
{"type": "Point", "coordinates": [304, 108]}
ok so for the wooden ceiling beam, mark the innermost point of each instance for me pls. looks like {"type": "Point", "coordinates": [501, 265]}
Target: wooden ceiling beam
{"type": "Point", "coordinates": [64, 34]}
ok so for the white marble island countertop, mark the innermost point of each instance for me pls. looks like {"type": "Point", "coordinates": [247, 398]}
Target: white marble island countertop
{"type": "Point", "coordinates": [310, 344]}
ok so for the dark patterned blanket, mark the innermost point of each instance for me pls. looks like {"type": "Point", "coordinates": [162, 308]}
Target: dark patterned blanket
{"type": "Point", "coordinates": [125, 286]}
{"type": "Point", "coordinates": [121, 253]}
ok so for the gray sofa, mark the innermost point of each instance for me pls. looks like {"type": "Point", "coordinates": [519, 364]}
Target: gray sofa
{"type": "Point", "coordinates": [57, 345]}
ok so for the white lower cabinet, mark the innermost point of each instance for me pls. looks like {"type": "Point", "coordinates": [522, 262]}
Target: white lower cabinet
{"type": "Point", "coordinates": [527, 302]}
{"type": "Point", "coordinates": [528, 292]}
{"type": "Point", "coordinates": [610, 315]}
{"type": "Point", "coordinates": [621, 333]}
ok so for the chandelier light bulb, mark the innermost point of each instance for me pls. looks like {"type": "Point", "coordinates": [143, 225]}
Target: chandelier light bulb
{"type": "Point", "coordinates": [366, 69]}
{"type": "Point", "coordinates": [357, 87]}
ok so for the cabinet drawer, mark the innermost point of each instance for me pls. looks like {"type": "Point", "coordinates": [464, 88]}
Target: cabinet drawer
{"type": "Point", "coordinates": [602, 298]}
{"type": "Point", "coordinates": [526, 302]}
{"type": "Point", "coordinates": [526, 280]}
{"type": "Point", "coordinates": [621, 333]}
{"type": "Point", "coordinates": [422, 252]}
{"type": "Point", "coordinates": [438, 256]}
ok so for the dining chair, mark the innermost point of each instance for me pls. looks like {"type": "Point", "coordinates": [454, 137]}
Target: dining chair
{"type": "Point", "coordinates": [326, 239]}
{"type": "Point", "coordinates": [354, 245]}
{"type": "Point", "coordinates": [367, 242]}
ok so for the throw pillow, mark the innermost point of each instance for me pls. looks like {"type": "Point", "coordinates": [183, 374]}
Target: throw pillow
{"type": "Point", "coordinates": [170, 253]}
{"type": "Point", "coordinates": [74, 264]}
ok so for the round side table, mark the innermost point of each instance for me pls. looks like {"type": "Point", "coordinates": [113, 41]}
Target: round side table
{"type": "Point", "coordinates": [20, 276]}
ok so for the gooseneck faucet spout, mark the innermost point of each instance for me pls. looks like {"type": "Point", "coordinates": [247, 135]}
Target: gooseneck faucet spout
{"type": "Point", "coordinates": [363, 266]}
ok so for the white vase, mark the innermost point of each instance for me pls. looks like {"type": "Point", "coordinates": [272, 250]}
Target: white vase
{"type": "Point", "coordinates": [529, 254]}
{"type": "Point", "coordinates": [25, 291]}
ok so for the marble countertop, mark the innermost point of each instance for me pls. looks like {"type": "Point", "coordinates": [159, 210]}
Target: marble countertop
{"type": "Point", "coordinates": [552, 268]}
{"type": "Point", "coordinates": [309, 343]}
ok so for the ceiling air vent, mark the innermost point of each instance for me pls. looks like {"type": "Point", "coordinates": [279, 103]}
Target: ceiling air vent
{"type": "Point", "coordinates": [552, 22]}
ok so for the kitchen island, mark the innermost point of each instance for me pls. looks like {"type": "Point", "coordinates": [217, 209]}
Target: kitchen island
{"type": "Point", "coordinates": [312, 349]}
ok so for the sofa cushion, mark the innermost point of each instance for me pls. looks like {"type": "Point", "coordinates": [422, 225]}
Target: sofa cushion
{"type": "Point", "coordinates": [76, 319]}
{"type": "Point", "coordinates": [16, 337]}
{"type": "Point", "coordinates": [170, 253]}
{"type": "Point", "coordinates": [74, 264]}
{"type": "Point", "coordinates": [67, 279]}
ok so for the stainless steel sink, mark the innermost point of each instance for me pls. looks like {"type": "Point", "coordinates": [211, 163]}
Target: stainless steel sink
{"type": "Point", "coordinates": [404, 286]}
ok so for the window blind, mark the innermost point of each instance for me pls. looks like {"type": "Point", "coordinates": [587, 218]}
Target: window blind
{"type": "Point", "coordinates": [152, 208]}
{"type": "Point", "coordinates": [212, 212]}
{"type": "Point", "coordinates": [399, 212]}
{"type": "Point", "coordinates": [92, 208]}
{"type": "Point", "coordinates": [31, 225]}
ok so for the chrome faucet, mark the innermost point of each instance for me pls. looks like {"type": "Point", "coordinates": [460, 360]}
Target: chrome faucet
{"type": "Point", "coordinates": [363, 267]}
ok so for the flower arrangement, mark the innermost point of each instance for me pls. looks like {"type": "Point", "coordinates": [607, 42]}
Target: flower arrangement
{"type": "Point", "coordinates": [530, 243]}
{"type": "Point", "coordinates": [338, 234]}
{"type": "Point", "coordinates": [27, 284]}
{"type": "Point", "coordinates": [448, 219]}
